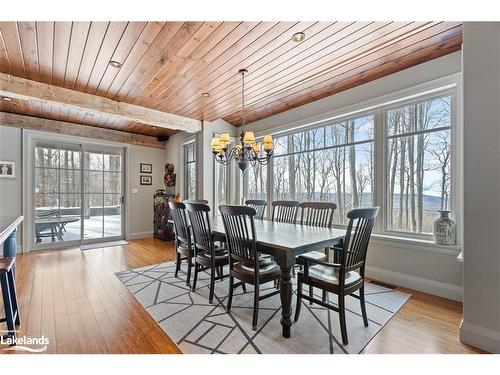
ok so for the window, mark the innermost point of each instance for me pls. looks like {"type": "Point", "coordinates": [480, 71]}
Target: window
{"type": "Point", "coordinates": [409, 142]}
{"type": "Point", "coordinates": [331, 163]}
{"type": "Point", "coordinates": [418, 150]}
{"type": "Point", "coordinates": [221, 181]}
{"type": "Point", "coordinates": [190, 171]}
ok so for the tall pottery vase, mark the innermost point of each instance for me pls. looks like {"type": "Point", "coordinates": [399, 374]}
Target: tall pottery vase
{"type": "Point", "coordinates": [445, 229]}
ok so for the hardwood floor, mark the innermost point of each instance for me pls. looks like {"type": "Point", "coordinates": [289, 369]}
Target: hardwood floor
{"type": "Point", "coordinates": [74, 298]}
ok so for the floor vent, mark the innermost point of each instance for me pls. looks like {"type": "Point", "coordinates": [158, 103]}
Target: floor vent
{"type": "Point", "coordinates": [379, 283]}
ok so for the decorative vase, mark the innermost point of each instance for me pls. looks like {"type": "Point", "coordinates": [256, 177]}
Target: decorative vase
{"type": "Point", "coordinates": [444, 229]}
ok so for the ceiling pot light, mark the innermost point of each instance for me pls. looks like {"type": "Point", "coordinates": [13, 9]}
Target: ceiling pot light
{"type": "Point", "coordinates": [205, 94]}
{"type": "Point", "coordinates": [6, 98]}
{"type": "Point", "coordinates": [115, 64]}
{"type": "Point", "coordinates": [298, 37]}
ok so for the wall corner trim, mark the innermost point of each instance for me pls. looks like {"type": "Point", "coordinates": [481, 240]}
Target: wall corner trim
{"type": "Point", "coordinates": [480, 337]}
{"type": "Point", "coordinates": [437, 288]}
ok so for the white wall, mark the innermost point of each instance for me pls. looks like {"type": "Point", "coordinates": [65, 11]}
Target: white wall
{"type": "Point", "coordinates": [204, 157]}
{"type": "Point", "coordinates": [11, 188]}
{"type": "Point", "coordinates": [481, 61]}
{"type": "Point", "coordinates": [427, 268]}
{"type": "Point", "coordinates": [140, 221]}
{"type": "Point", "coordinates": [141, 203]}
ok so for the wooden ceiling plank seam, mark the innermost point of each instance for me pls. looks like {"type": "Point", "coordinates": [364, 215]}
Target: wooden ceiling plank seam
{"type": "Point", "coordinates": [233, 81]}
{"type": "Point", "coordinates": [163, 38]}
{"type": "Point", "coordinates": [111, 40]}
{"type": "Point", "coordinates": [5, 65]}
{"type": "Point", "coordinates": [11, 39]}
{"type": "Point", "coordinates": [346, 73]}
{"type": "Point", "coordinates": [319, 45]}
{"type": "Point", "coordinates": [181, 37]}
{"type": "Point", "coordinates": [131, 37]}
{"type": "Point", "coordinates": [27, 42]}
{"type": "Point", "coordinates": [93, 45]}
{"type": "Point", "coordinates": [264, 93]}
{"type": "Point", "coordinates": [180, 57]}
{"type": "Point", "coordinates": [330, 84]}
{"type": "Point", "coordinates": [236, 62]}
{"type": "Point", "coordinates": [322, 62]}
{"type": "Point", "coordinates": [62, 38]}
{"type": "Point", "coordinates": [241, 32]}
{"type": "Point", "coordinates": [131, 62]}
{"type": "Point", "coordinates": [198, 54]}
{"type": "Point", "coordinates": [79, 36]}
{"type": "Point", "coordinates": [45, 38]}
{"type": "Point", "coordinates": [370, 76]}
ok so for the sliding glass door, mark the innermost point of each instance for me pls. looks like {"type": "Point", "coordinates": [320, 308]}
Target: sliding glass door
{"type": "Point", "coordinates": [77, 193]}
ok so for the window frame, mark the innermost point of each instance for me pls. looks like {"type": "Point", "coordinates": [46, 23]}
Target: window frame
{"type": "Point", "coordinates": [450, 85]}
{"type": "Point", "coordinates": [185, 163]}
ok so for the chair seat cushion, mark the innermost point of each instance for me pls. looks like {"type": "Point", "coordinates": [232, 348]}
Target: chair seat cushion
{"type": "Point", "coordinates": [267, 267]}
{"type": "Point", "coordinates": [315, 255]}
{"type": "Point", "coordinates": [331, 275]}
{"type": "Point", "coordinates": [221, 256]}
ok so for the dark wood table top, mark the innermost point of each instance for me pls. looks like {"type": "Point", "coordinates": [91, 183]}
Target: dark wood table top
{"type": "Point", "coordinates": [287, 240]}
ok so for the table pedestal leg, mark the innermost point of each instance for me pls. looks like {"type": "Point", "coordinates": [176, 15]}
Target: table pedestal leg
{"type": "Point", "coordinates": [286, 300]}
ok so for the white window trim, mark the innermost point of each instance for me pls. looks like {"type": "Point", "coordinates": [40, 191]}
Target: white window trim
{"type": "Point", "coordinates": [377, 106]}
{"type": "Point", "coordinates": [189, 141]}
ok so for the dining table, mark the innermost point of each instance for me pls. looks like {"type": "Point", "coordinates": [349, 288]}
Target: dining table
{"type": "Point", "coordinates": [284, 242]}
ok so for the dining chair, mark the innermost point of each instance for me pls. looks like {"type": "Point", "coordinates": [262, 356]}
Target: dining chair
{"type": "Point", "coordinates": [195, 201]}
{"type": "Point", "coordinates": [183, 243]}
{"type": "Point", "coordinates": [259, 205]}
{"type": "Point", "coordinates": [245, 263]}
{"type": "Point", "coordinates": [207, 256]}
{"type": "Point", "coordinates": [346, 277]}
{"type": "Point", "coordinates": [285, 211]}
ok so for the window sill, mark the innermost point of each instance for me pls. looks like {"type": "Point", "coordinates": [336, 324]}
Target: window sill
{"type": "Point", "coordinates": [415, 244]}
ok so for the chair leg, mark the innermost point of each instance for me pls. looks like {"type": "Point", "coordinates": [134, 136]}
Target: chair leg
{"type": "Point", "coordinates": [255, 307]}
{"type": "Point", "coordinates": [13, 296]}
{"type": "Point", "coordinates": [363, 306]}
{"type": "Point", "coordinates": [244, 287]}
{"type": "Point", "coordinates": [212, 285]}
{"type": "Point", "coordinates": [311, 294]}
{"type": "Point", "coordinates": [299, 300]}
{"type": "Point", "coordinates": [343, 327]}
{"type": "Point", "coordinates": [195, 276]}
{"type": "Point", "coordinates": [323, 296]}
{"type": "Point", "coordinates": [190, 265]}
{"type": "Point", "coordinates": [218, 271]}
{"type": "Point", "coordinates": [177, 263]}
{"type": "Point", "coordinates": [230, 295]}
{"type": "Point", "coordinates": [7, 303]}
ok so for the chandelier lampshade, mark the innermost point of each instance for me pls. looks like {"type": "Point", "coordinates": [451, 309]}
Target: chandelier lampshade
{"type": "Point", "coordinates": [247, 153]}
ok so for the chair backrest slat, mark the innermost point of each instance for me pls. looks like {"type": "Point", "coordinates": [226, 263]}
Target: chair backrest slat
{"type": "Point", "coordinates": [359, 229]}
{"type": "Point", "coordinates": [240, 232]}
{"type": "Point", "coordinates": [317, 214]}
{"type": "Point", "coordinates": [285, 211]}
{"type": "Point", "coordinates": [259, 205]}
{"type": "Point", "coordinates": [181, 227]}
{"type": "Point", "coordinates": [199, 217]}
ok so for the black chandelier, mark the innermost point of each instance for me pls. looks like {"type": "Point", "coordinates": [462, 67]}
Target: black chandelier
{"type": "Point", "coordinates": [247, 153]}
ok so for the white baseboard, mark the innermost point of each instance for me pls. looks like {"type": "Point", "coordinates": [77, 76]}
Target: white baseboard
{"type": "Point", "coordinates": [438, 288]}
{"type": "Point", "coordinates": [480, 337]}
{"type": "Point", "coordinates": [137, 235]}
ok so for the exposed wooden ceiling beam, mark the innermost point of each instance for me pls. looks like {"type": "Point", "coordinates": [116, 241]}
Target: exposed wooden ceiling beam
{"type": "Point", "coordinates": [25, 89]}
{"type": "Point", "coordinates": [69, 128]}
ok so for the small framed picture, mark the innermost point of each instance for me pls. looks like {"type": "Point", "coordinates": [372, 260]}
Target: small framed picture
{"type": "Point", "coordinates": [7, 169]}
{"type": "Point", "coordinates": [146, 180]}
{"type": "Point", "coordinates": [146, 168]}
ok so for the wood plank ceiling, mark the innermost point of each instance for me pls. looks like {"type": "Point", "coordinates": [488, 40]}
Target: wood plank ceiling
{"type": "Point", "coordinates": [168, 65]}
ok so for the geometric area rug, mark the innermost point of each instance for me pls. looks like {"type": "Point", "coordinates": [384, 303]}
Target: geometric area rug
{"type": "Point", "coordinates": [200, 327]}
